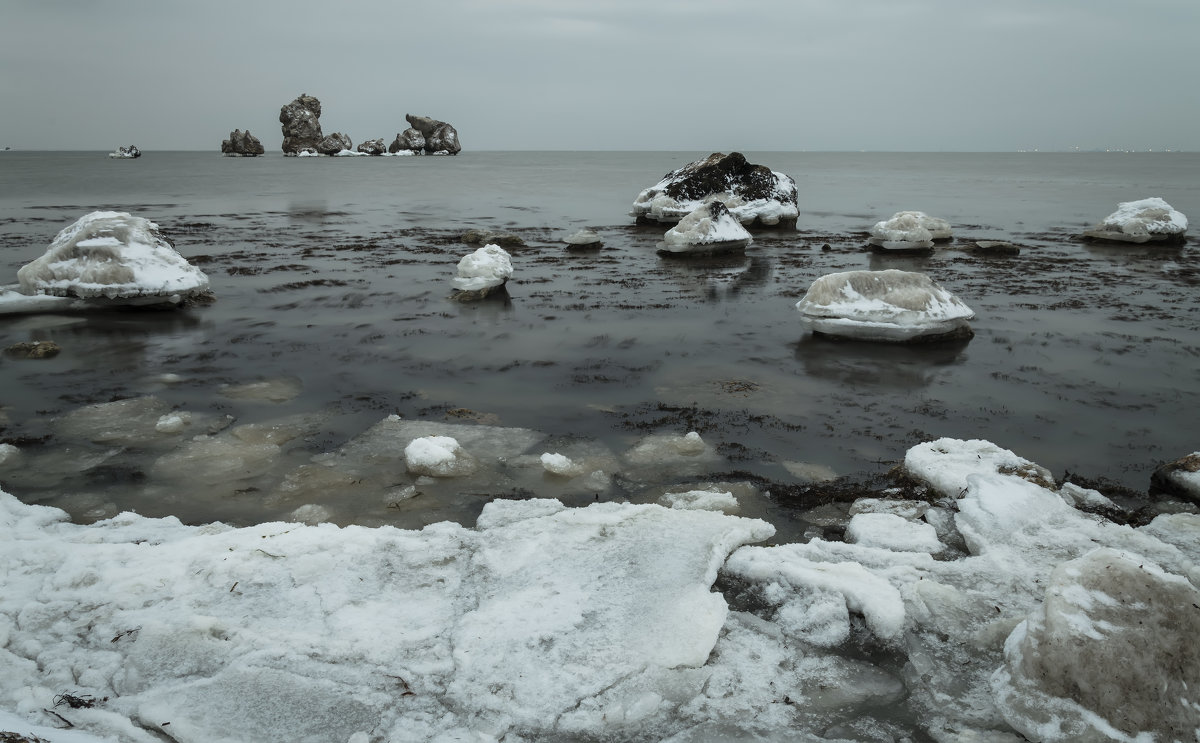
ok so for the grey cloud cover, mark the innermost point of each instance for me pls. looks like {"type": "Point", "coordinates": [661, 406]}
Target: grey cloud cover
{"type": "Point", "coordinates": [617, 74]}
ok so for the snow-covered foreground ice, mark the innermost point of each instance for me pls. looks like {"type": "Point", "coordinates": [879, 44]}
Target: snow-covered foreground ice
{"type": "Point", "coordinates": [551, 623]}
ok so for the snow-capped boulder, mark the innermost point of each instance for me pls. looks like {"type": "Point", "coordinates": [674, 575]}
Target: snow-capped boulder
{"type": "Point", "coordinates": [300, 121]}
{"type": "Point", "coordinates": [483, 272]}
{"type": "Point", "coordinates": [409, 140]}
{"type": "Point", "coordinates": [709, 229]}
{"type": "Point", "coordinates": [125, 153]}
{"type": "Point", "coordinates": [373, 147]}
{"type": "Point", "coordinates": [909, 231]}
{"type": "Point", "coordinates": [242, 144]}
{"type": "Point", "coordinates": [1111, 654]}
{"type": "Point", "coordinates": [440, 137]}
{"type": "Point", "coordinates": [1179, 478]}
{"type": "Point", "coordinates": [334, 143]}
{"type": "Point", "coordinates": [438, 456]}
{"type": "Point", "coordinates": [1147, 220]}
{"type": "Point", "coordinates": [584, 239]}
{"type": "Point", "coordinates": [891, 305]}
{"type": "Point", "coordinates": [113, 256]}
{"type": "Point", "coordinates": [754, 194]}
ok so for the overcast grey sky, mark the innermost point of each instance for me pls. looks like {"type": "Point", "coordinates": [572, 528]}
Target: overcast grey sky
{"type": "Point", "coordinates": [751, 75]}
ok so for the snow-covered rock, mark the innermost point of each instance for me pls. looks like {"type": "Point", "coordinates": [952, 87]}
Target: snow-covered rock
{"type": "Point", "coordinates": [583, 239]}
{"type": "Point", "coordinates": [909, 230]}
{"type": "Point", "coordinates": [889, 305]}
{"type": "Point", "coordinates": [483, 272]}
{"type": "Point", "coordinates": [754, 194]}
{"type": "Point", "coordinates": [1147, 220]}
{"type": "Point", "coordinates": [125, 153]}
{"type": "Point", "coordinates": [709, 229]}
{"type": "Point", "coordinates": [1180, 477]}
{"type": "Point", "coordinates": [112, 257]}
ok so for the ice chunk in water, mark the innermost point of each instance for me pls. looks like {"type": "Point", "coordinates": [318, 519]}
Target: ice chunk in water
{"type": "Point", "coordinates": [886, 305]}
{"type": "Point", "coordinates": [437, 456]}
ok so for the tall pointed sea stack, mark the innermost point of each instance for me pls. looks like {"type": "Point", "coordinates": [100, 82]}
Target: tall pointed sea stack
{"type": "Point", "coordinates": [301, 124]}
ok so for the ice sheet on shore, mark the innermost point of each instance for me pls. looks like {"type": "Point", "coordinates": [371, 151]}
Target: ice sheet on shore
{"type": "Point", "coordinates": [890, 305]}
{"type": "Point", "coordinates": [546, 622]}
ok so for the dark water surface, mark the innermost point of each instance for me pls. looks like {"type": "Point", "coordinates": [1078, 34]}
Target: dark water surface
{"type": "Point", "coordinates": [335, 274]}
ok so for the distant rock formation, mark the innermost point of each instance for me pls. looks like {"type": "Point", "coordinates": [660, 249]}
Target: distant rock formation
{"type": "Point", "coordinates": [334, 143]}
{"type": "Point", "coordinates": [373, 147]}
{"type": "Point", "coordinates": [301, 124]}
{"type": "Point", "coordinates": [242, 144]}
{"type": "Point", "coordinates": [439, 136]}
{"type": "Point", "coordinates": [126, 153]}
{"type": "Point", "coordinates": [409, 140]}
{"type": "Point", "coordinates": [754, 194]}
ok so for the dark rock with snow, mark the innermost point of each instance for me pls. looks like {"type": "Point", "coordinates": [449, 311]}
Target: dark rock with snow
{"type": "Point", "coordinates": [373, 147]}
{"type": "Point", "coordinates": [439, 136]}
{"type": "Point", "coordinates": [242, 144]}
{"type": "Point", "coordinates": [125, 153]}
{"type": "Point", "coordinates": [409, 140]}
{"type": "Point", "coordinates": [301, 124]}
{"type": "Point", "coordinates": [754, 194]}
{"type": "Point", "coordinates": [1180, 478]}
{"type": "Point", "coordinates": [334, 143]}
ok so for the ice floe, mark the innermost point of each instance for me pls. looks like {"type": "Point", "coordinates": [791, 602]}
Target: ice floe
{"type": "Point", "coordinates": [1147, 220]}
{"type": "Point", "coordinates": [707, 230]}
{"type": "Point", "coordinates": [754, 194]}
{"type": "Point", "coordinates": [909, 230]}
{"type": "Point", "coordinates": [585, 239]}
{"type": "Point", "coordinates": [887, 305]}
{"type": "Point", "coordinates": [105, 258]}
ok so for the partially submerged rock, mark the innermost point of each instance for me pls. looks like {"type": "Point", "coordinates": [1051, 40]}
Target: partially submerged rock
{"type": "Point", "coordinates": [242, 144]}
{"type": "Point", "coordinates": [1147, 220]}
{"type": "Point", "coordinates": [754, 194]}
{"type": "Point", "coordinates": [107, 258]}
{"type": "Point", "coordinates": [373, 147]}
{"type": "Point", "coordinates": [334, 144]}
{"type": "Point", "coordinates": [440, 137]}
{"type": "Point", "coordinates": [410, 140]}
{"type": "Point", "coordinates": [708, 230]}
{"type": "Point", "coordinates": [125, 153]}
{"type": "Point", "coordinates": [1179, 478]}
{"type": "Point", "coordinates": [490, 237]}
{"type": "Point", "coordinates": [891, 305]}
{"type": "Point", "coordinates": [300, 121]}
{"type": "Point", "coordinates": [997, 247]}
{"type": "Point", "coordinates": [33, 350]}
{"type": "Point", "coordinates": [482, 273]}
{"type": "Point", "coordinates": [909, 231]}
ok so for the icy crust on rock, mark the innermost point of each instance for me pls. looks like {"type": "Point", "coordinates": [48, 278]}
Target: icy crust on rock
{"type": "Point", "coordinates": [709, 228]}
{"type": "Point", "coordinates": [1141, 221]}
{"type": "Point", "coordinates": [486, 268]}
{"type": "Point", "coordinates": [886, 305]}
{"type": "Point", "coordinates": [1104, 615]}
{"type": "Point", "coordinates": [112, 255]}
{"type": "Point", "coordinates": [909, 230]}
{"type": "Point", "coordinates": [752, 193]}
{"type": "Point", "coordinates": [540, 621]}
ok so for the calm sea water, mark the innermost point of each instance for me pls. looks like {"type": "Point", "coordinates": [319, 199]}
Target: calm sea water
{"type": "Point", "coordinates": [335, 273]}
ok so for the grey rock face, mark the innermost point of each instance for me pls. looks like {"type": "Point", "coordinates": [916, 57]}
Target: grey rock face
{"type": "Point", "coordinates": [439, 136]}
{"type": "Point", "coordinates": [242, 143]}
{"type": "Point", "coordinates": [301, 124]}
{"type": "Point", "coordinates": [334, 143]}
{"type": "Point", "coordinates": [373, 147]}
{"type": "Point", "coordinates": [410, 139]}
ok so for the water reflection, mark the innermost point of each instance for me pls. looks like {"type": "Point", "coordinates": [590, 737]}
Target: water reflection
{"type": "Point", "coordinates": [900, 260]}
{"type": "Point", "coordinates": [886, 366]}
{"type": "Point", "coordinates": [720, 278]}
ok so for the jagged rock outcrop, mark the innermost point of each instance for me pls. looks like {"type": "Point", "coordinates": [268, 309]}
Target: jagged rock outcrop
{"type": "Point", "coordinates": [125, 153]}
{"type": "Point", "coordinates": [301, 124]}
{"type": "Point", "coordinates": [334, 143]}
{"type": "Point", "coordinates": [439, 136]}
{"type": "Point", "coordinates": [242, 144]}
{"type": "Point", "coordinates": [373, 147]}
{"type": "Point", "coordinates": [410, 139]}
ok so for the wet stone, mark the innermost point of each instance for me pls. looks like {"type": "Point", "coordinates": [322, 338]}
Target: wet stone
{"type": "Point", "coordinates": [33, 350]}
